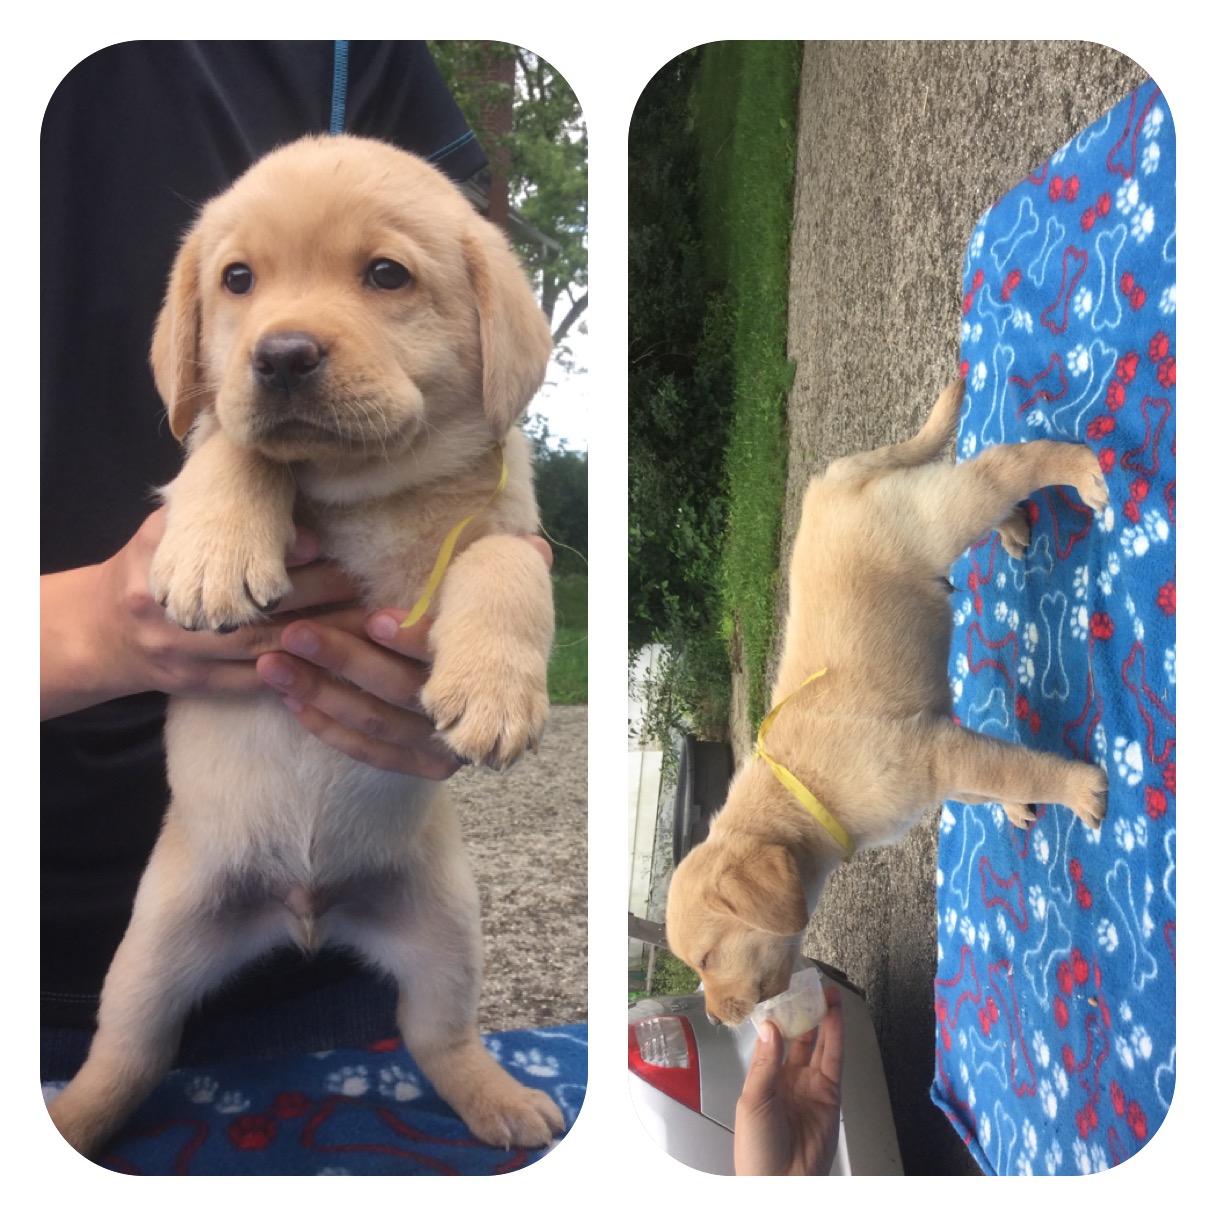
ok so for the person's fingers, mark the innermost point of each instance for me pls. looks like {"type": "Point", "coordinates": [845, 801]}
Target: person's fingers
{"type": "Point", "coordinates": [761, 1079]}
{"type": "Point", "coordinates": [389, 678]}
{"type": "Point", "coordinates": [428, 760]}
{"type": "Point", "coordinates": [542, 547]}
{"type": "Point", "coordinates": [829, 1049]}
{"type": "Point", "coordinates": [388, 628]}
{"type": "Point", "coordinates": [800, 1050]}
{"type": "Point", "coordinates": [315, 584]}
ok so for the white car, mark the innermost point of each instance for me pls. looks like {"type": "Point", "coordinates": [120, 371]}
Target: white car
{"type": "Point", "coordinates": [686, 1074]}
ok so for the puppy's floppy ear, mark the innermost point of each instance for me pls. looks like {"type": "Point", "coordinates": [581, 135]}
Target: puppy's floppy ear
{"type": "Point", "coordinates": [762, 888]}
{"type": "Point", "coordinates": [176, 348]}
{"type": "Point", "coordinates": [515, 341]}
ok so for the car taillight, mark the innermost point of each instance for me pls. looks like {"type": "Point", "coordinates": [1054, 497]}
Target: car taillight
{"type": "Point", "coordinates": [663, 1052]}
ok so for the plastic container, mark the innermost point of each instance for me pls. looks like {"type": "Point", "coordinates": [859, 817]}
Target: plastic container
{"type": "Point", "coordinates": [799, 1009]}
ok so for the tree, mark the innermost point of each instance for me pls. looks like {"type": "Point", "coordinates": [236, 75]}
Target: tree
{"type": "Point", "coordinates": [539, 141]}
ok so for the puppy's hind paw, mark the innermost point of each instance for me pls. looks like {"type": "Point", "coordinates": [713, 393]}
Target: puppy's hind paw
{"type": "Point", "coordinates": [1091, 484]}
{"type": "Point", "coordinates": [1015, 533]}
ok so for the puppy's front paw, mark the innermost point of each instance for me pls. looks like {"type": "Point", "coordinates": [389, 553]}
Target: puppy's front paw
{"type": "Point", "coordinates": [1089, 802]}
{"type": "Point", "coordinates": [488, 709]}
{"type": "Point", "coordinates": [218, 573]}
{"type": "Point", "coordinates": [1091, 484]}
{"type": "Point", "coordinates": [510, 1115]}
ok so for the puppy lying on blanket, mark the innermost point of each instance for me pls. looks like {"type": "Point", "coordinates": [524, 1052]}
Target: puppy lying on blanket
{"type": "Point", "coordinates": [344, 339]}
{"type": "Point", "coordinates": [866, 740]}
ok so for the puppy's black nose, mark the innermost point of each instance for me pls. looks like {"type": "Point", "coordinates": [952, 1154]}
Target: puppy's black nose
{"type": "Point", "coordinates": [285, 361]}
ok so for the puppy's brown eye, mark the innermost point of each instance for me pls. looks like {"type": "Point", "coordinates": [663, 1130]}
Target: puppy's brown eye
{"type": "Point", "coordinates": [387, 275]}
{"type": "Point", "coordinates": [238, 278]}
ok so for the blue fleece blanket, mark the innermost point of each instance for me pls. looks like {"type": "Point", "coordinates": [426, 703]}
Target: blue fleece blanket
{"type": "Point", "coordinates": [368, 1111]}
{"type": "Point", "coordinates": [1055, 993]}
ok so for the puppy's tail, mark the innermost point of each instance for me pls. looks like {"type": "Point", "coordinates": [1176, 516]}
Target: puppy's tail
{"type": "Point", "coordinates": [924, 447]}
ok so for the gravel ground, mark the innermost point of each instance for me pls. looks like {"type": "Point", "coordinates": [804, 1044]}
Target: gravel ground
{"type": "Point", "coordinates": [901, 148]}
{"type": "Point", "coordinates": [526, 832]}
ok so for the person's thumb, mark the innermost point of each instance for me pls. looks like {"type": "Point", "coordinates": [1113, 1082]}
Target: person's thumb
{"type": "Point", "coordinates": [761, 1081]}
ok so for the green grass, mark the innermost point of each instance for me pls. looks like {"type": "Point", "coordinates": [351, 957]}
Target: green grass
{"type": "Point", "coordinates": [671, 977]}
{"type": "Point", "coordinates": [745, 109]}
{"type": "Point", "coordinates": [568, 663]}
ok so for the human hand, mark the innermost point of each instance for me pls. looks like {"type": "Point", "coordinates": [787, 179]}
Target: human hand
{"type": "Point", "coordinates": [104, 636]}
{"type": "Point", "coordinates": [787, 1119]}
{"type": "Point", "coordinates": [353, 680]}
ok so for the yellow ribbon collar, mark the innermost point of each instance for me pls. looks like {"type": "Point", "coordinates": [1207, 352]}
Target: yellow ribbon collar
{"type": "Point", "coordinates": [449, 545]}
{"type": "Point", "coordinates": [791, 783]}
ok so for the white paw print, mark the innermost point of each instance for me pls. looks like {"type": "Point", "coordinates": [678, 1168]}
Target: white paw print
{"type": "Point", "coordinates": [535, 1064]}
{"type": "Point", "coordinates": [1127, 197]}
{"type": "Point", "coordinates": [977, 239]}
{"type": "Point", "coordinates": [1106, 521]}
{"type": "Point", "coordinates": [1079, 621]}
{"type": "Point", "coordinates": [399, 1085]}
{"type": "Point", "coordinates": [1142, 1044]}
{"type": "Point", "coordinates": [968, 930]}
{"type": "Point", "coordinates": [938, 877]}
{"type": "Point", "coordinates": [1000, 610]}
{"type": "Point", "coordinates": [1030, 1138]}
{"type": "Point", "coordinates": [1123, 1049]}
{"type": "Point", "coordinates": [985, 1130]}
{"type": "Point", "coordinates": [1023, 1167]}
{"type": "Point", "coordinates": [201, 1090]}
{"type": "Point", "coordinates": [960, 665]}
{"type": "Point", "coordinates": [1036, 419]}
{"type": "Point", "coordinates": [1106, 578]}
{"type": "Point", "coordinates": [350, 1081]}
{"type": "Point", "coordinates": [1168, 304]}
{"type": "Point", "coordinates": [1030, 636]}
{"type": "Point", "coordinates": [1053, 1158]}
{"type": "Point", "coordinates": [1150, 158]}
{"type": "Point", "coordinates": [1080, 582]}
{"type": "Point", "coordinates": [951, 921]}
{"type": "Point", "coordinates": [1014, 620]}
{"type": "Point", "coordinates": [956, 688]}
{"type": "Point", "coordinates": [984, 937]}
{"type": "Point", "coordinates": [1134, 541]}
{"type": "Point", "coordinates": [1077, 360]}
{"type": "Point", "coordinates": [1025, 322]}
{"type": "Point", "coordinates": [1026, 670]}
{"type": "Point", "coordinates": [1125, 837]}
{"type": "Point", "coordinates": [1156, 526]}
{"type": "Point", "coordinates": [1125, 1011]}
{"type": "Point", "coordinates": [232, 1102]}
{"type": "Point", "coordinates": [1037, 901]}
{"type": "Point", "coordinates": [1000, 922]}
{"type": "Point", "coordinates": [1041, 1050]}
{"type": "Point", "coordinates": [1152, 123]}
{"type": "Point", "coordinates": [1171, 672]}
{"type": "Point", "coordinates": [1000, 579]}
{"type": "Point", "coordinates": [1060, 1077]}
{"type": "Point", "coordinates": [979, 376]}
{"type": "Point", "coordinates": [1047, 1096]}
{"type": "Point", "coordinates": [1142, 224]}
{"type": "Point", "coordinates": [1100, 740]}
{"type": "Point", "coordinates": [1129, 761]}
{"type": "Point", "coordinates": [968, 448]}
{"type": "Point", "coordinates": [1083, 303]}
{"type": "Point", "coordinates": [948, 822]}
{"type": "Point", "coordinates": [1042, 850]}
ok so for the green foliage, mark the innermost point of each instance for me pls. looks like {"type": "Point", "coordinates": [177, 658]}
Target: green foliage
{"type": "Point", "coordinates": [568, 663]}
{"type": "Point", "coordinates": [546, 148]}
{"type": "Point", "coordinates": [711, 170]}
{"type": "Point", "coordinates": [560, 477]}
{"type": "Point", "coordinates": [671, 976]}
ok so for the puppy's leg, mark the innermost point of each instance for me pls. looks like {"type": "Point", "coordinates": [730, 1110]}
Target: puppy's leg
{"type": "Point", "coordinates": [176, 948]}
{"type": "Point", "coordinates": [428, 938]}
{"type": "Point", "coordinates": [956, 505]}
{"type": "Point", "coordinates": [488, 687]}
{"type": "Point", "coordinates": [221, 562]}
{"type": "Point", "coordinates": [977, 768]}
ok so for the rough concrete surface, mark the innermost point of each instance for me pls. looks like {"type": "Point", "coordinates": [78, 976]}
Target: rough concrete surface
{"type": "Point", "coordinates": [901, 147]}
{"type": "Point", "coordinates": [526, 832]}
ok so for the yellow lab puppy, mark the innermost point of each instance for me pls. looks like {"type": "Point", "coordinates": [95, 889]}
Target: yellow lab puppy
{"type": "Point", "coordinates": [346, 339]}
{"type": "Point", "coordinates": [872, 740]}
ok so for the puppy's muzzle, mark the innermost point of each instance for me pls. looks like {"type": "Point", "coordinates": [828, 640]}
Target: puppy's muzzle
{"type": "Point", "coordinates": [287, 362]}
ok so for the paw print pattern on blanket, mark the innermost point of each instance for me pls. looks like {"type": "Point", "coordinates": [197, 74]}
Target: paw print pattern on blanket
{"type": "Point", "coordinates": [1055, 996]}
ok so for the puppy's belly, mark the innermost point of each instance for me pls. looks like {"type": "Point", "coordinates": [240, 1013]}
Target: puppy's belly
{"type": "Point", "coordinates": [255, 793]}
